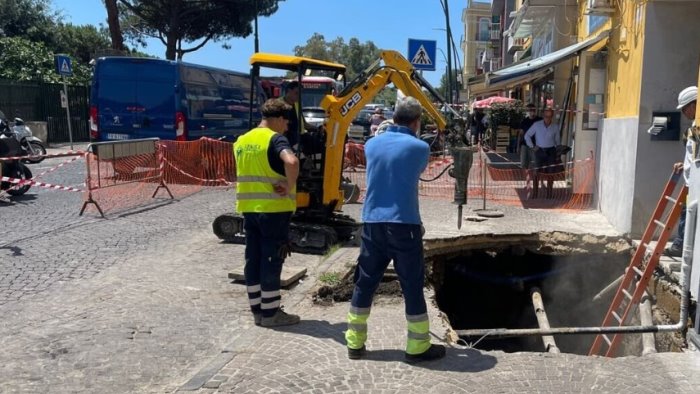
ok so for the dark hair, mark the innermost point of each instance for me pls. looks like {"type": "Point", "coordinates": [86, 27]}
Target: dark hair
{"type": "Point", "coordinates": [530, 106]}
{"type": "Point", "coordinates": [293, 85]}
{"type": "Point", "coordinates": [274, 108]}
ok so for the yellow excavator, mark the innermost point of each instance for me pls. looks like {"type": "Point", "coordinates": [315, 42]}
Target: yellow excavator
{"type": "Point", "coordinates": [318, 224]}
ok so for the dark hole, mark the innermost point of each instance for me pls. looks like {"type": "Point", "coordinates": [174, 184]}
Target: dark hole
{"type": "Point", "coordinates": [491, 289]}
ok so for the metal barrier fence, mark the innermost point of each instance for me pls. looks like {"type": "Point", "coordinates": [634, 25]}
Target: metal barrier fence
{"type": "Point", "coordinates": [131, 166]}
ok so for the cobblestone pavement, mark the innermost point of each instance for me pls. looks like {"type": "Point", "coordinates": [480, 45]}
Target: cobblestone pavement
{"type": "Point", "coordinates": [311, 357]}
{"type": "Point", "coordinates": [141, 302]}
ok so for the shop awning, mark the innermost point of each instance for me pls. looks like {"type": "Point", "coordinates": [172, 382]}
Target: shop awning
{"type": "Point", "coordinates": [529, 70]}
{"type": "Point", "coordinates": [550, 59]}
{"type": "Point", "coordinates": [479, 87]}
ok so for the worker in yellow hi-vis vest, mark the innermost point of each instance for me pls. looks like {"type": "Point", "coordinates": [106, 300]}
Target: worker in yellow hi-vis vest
{"type": "Point", "coordinates": [266, 171]}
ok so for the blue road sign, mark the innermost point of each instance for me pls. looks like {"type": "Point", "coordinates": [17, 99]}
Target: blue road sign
{"type": "Point", "coordinates": [421, 54]}
{"type": "Point", "coordinates": [63, 66]}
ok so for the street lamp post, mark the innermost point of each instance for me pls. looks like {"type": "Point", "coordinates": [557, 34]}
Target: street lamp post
{"type": "Point", "coordinates": [448, 88]}
{"type": "Point", "coordinates": [449, 48]}
{"type": "Point", "coordinates": [257, 43]}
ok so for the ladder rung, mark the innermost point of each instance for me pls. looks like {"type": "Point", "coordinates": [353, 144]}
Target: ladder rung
{"type": "Point", "coordinates": [606, 339]}
{"type": "Point", "coordinates": [627, 294]}
{"type": "Point", "coordinates": [669, 198]}
{"type": "Point", "coordinates": [617, 317]}
{"type": "Point", "coordinates": [638, 271]}
{"type": "Point", "coordinates": [660, 223]}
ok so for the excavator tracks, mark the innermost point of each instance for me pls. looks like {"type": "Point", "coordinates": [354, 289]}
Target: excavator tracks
{"type": "Point", "coordinates": [305, 237]}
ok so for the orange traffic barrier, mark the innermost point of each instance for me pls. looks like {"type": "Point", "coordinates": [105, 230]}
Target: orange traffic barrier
{"type": "Point", "coordinates": [121, 174]}
{"type": "Point", "coordinates": [122, 179]}
{"type": "Point", "coordinates": [501, 180]}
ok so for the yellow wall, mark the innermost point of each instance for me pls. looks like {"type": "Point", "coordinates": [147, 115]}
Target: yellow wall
{"type": "Point", "coordinates": [625, 52]}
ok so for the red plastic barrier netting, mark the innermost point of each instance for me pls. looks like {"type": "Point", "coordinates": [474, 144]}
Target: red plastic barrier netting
{"type": "Point", "coordinates": [184, 167]}
{"type": "Point", "coordinates": [187, 167]}
{"type": "Point", "coordinates": [122, 183]}
{"type": "Point", "coordinates": [204, 162]}
{"type": "Point", "coordinates": [572, 182]}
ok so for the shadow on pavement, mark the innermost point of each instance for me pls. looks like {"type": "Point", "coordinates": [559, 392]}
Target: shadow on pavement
{"type": "Point", "coordinates": [456, 360]}
{"type": "Point", "coordinates": [318, 329]}
{"type": "Point", "coordinates": [23, 198]}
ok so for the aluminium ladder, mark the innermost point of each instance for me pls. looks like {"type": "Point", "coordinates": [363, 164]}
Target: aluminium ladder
{"type": "Point", "coordinates": [642, 266]}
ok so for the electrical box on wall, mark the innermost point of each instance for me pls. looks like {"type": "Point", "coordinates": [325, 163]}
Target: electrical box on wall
{"type": "Point", "coordinates": [670, 130]}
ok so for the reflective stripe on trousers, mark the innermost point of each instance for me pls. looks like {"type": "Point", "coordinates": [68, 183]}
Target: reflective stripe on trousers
{"type": "Point", "coordinates": [418, 336]}
{"type": "Point", "coordinates": [356, 335]}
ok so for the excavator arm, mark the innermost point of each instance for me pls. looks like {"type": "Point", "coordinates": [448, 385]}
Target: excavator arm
{"type": "Point", "coordinates": [391, 67]}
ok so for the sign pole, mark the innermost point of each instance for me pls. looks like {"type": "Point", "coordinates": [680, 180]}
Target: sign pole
{"type": "Point", "coordinates": [70, 129]}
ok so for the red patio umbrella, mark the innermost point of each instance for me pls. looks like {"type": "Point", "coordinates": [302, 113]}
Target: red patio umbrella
{"type": "Point", "coordinates": [487, 102]}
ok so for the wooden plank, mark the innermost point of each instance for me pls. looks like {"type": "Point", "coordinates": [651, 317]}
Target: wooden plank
{"type": "Point", "coordinates": [290, 275]}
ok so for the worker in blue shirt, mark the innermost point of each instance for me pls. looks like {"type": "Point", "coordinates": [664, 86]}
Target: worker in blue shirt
{"type": "Point", "coordinates": [392, 230]}
{"type": "Point", "coordinates": [546, 133]}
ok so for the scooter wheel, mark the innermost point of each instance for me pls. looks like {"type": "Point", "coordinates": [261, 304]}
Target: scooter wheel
{"type": "Point", "coordinates": [39, 150]}
{"type": "Point", "coordinates": [20, 173]}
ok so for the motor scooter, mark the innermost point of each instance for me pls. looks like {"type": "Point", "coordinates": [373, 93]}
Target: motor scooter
{"type": "Point", "coordinates": [10, 147]}
{"type": "Point", "coordinates": [33, 146]}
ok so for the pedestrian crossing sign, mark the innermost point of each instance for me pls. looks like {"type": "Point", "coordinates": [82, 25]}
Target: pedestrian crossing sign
{"type": "Point", "coordinates": [421, 54]}
{"type": "Point", "coordinates": [63, 66]}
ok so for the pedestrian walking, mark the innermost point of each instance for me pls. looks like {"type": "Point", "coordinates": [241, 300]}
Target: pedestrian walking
{"type": "Point", "coordinates": [266, 171]}
{"type": "Point", "coordinates": [392, 230]}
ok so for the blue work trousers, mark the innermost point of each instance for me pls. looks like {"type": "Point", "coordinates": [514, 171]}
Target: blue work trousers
{"type": "Point", "coordinates": [382, 243]}
{"type": "Point", "coordinates": [678, 242]}
{"type": "Point", "coordinates": [265, 233]}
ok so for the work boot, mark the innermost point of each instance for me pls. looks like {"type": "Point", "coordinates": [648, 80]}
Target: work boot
{"type": "Point", "coordinates": [280, 318]}
{"type": "Point", "coordinates": [434, 352]}
{"type": "Point", "coordinates": [257, 317]}
{"type": "Point", "coordinates": [674, 251]}
{"type": "Point", "coordinates": [356, 354]}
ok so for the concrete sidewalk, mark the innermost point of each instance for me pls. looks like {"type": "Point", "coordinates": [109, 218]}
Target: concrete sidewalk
{"type": "Point", "coordinates": [312, 357]}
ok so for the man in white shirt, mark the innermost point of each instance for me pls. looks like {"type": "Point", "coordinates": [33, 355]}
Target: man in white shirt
{"type": "Point", "coordinates": [687, 102]}
{"type": "Point", "coordinates": [546, 134]}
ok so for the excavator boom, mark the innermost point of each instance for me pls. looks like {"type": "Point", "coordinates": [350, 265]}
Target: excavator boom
{"type": "Point", "coordinates": [391, 67]}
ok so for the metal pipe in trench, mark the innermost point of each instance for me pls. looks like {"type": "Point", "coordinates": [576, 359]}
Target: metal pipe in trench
{"type": "Point", "coordinates": [688, 247]}
{"type": "Point", "coordinates": [542, 321]}
{"type": "Point", "coordinates": [646, 319]}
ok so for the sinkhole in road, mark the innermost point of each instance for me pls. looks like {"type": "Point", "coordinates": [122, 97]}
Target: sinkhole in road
{"type": "Point", "coordinates": [490, 287]}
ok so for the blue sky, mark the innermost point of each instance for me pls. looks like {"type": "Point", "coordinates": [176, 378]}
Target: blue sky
{"type": "Point", "coordinates": [387, 23]}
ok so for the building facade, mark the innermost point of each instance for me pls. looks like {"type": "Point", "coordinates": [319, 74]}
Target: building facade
{"type": "Point", "coordinates": [476, 18]}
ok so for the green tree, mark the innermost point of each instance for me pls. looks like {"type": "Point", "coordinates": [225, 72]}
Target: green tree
{"type": "Point", "coordinates": [82, 42]}
{"type": "Point", "coordinates": [31, 19]}
{"type": "Point", "coordinates": [354, 55]}
{"type": "Point", "coordinates": [24, 60]}
{"type": "Point", "coordinates": [195, 22]}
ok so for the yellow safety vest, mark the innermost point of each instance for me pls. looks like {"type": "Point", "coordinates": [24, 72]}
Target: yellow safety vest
{"type": "Point", "coordinates": [256, 179]}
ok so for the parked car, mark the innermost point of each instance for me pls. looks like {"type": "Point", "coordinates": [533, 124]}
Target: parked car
{"type": "Point", "coordinates": [314, 117]}
{"type": "Point", "coordinates": [360, 127]}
